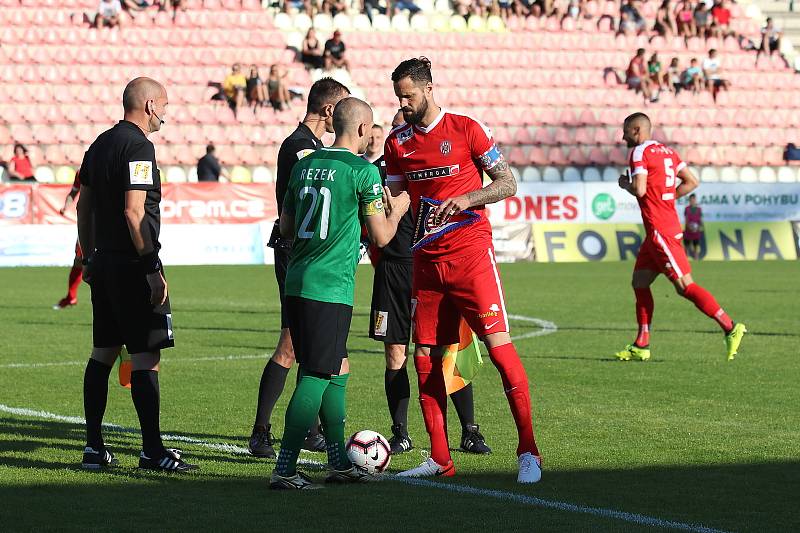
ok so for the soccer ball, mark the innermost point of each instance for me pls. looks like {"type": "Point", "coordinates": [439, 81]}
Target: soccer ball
{"type": "Point", "coordinates": [369, 451]}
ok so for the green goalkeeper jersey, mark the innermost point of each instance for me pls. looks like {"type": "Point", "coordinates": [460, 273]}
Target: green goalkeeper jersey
{"type": "Point", "coordinates": [327, 191]}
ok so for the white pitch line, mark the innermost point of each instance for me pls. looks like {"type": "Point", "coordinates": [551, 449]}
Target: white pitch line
{"type": "Point", "coordinates": [533, 501]}
{"type": "Point", "coordinates": [523, 499]}
{"type": "Point", "coordinates": [547, 327]}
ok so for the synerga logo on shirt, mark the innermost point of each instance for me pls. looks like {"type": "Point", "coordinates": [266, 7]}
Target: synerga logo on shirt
{"type": "Point", "coordinates": [431, 173]}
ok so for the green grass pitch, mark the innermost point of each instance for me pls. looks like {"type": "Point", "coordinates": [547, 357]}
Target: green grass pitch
{"type": "Point", "coordinates": [686, 437]}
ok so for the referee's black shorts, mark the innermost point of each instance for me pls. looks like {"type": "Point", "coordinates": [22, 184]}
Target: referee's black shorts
{"type": "Point", "coordinates": [121, 308]}
{"type": "Point", "coordinates": [281, 265]}
{"type": "Point", "coordinates": [390, 317]}
{"type": "Point", "coordinates": [319, 333]}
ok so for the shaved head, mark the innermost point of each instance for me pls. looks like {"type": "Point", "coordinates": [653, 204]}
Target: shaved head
{"type": "Point", "coordinates": [139, 91]}
{"type": "Point", "coordinates": [352, 123]}
{"type": "Point", "coordinates": [350, 113]}
{"type": "Point", "coordinates": [639, 120]}
{"type": "Point", "coordinates": [636, 129]}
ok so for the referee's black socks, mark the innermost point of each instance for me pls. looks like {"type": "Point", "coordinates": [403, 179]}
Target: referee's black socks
{"type": "Point", "coordinates": [146, 399]}
{"type": "Point", "coordinates": [398, 391]}
{"type": "Point", "coordinates": [95, 396]}
{"type": "Point", "coordinates": [273, 380]}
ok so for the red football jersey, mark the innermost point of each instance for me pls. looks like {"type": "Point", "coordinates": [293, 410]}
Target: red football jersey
{"type": "Point", "coordinates": [661, 164]}
{"type": "Point", "coordinates": [443, 161]}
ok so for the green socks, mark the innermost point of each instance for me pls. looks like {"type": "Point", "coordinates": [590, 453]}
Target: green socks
{"type": "Point", "coordinates": [315, 394]}
{"type": "Point", "coordinates": [301, 413]}
{"type": "Point", "coordinates": [332, 414]}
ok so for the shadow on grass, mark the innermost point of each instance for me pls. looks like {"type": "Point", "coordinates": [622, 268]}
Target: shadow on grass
{"type": "Point", "coordinates": [568, 327]}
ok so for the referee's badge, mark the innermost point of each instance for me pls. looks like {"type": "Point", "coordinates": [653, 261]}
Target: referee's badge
{"type": "Point", "coordinates": [141, 172]}
{"type": "Point", "coordinates": [302, 153]}
{"type": "Point", "coordinates": [429, 228]}
{"type": "Point", "coordinates": [381, 323]}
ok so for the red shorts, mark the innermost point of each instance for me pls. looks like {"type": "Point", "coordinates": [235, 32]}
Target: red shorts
{"type": "Point", "coordinates": [663, 254]}
{"type": "Point", "coordinates": [445, 291]}
{"type": "Point", "coordinates": [78, 252]}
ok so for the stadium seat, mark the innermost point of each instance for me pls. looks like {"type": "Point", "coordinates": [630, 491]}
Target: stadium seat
{"type": "Point", "coordinates": [611, 174]}
{"type": "Point", "coordinates": [45, 174]}
{"type": "Point", "coordinates": [176, 174]}
{"type": "Point", "coordinates": [767, 175]}
{"type": "Point", "coordinates": [531, 174]}
{"type": "Point", "coordinates": [65, 174]}
{"type": "Point", "coordinates": [729, 175]}
{"type": "Point", "coordinates": [240, 174]}
{"type": "Point", "coordinates": [592, 174]}
{"type": "Point", "coordinates": [787, 175]}
{"type": "Point", "coordinates": [571, 174]}
{"type": "Point", "coordinates": [747, 175]}
{"type": "Point", "coordinates": [551, 174]}
{"type": "Point", "coordinates": [261, 175]}
{"type": "Point", "coordinates": [709, 175]}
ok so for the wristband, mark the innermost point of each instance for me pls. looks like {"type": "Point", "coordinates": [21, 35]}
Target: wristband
{"type": "Point", "coordinates": [150, 262]}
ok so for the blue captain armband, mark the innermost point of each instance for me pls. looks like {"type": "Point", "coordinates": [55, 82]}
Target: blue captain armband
{"type": "Point", "coordinates": [491, 157]}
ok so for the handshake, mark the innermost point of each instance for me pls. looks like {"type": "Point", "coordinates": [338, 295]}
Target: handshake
{"type": "Point", "coordinates": [395, 206]}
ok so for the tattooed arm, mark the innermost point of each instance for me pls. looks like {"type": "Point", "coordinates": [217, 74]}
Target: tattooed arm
{"type": "Point", "coordinates": [502, 186]}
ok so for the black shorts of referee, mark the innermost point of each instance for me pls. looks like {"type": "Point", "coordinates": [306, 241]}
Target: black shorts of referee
{"type": "Point", "coordinates": [390, 316]}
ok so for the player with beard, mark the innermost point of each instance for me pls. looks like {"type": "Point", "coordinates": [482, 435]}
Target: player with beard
{"type": "Point", "coordinates": [390, 323]}
{"type": "Point", "coordinates": [439, 157]}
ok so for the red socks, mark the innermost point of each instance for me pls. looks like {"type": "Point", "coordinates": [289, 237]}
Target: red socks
{"type": "Point", "coordinates": [706, 303]}
{"type": "Point", "coordinates": [433, 401]}
{"type": "Point", "coordinates": [515, 383]}
{"type": "Point", "coordinates": [75, 277]}
{"type": "Point", "coordinates": [644, 314]}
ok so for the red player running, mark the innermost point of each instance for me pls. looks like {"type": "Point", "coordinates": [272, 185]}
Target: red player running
{"type": "Point", "coordinates": [76, 272]}
{"type": "Point", "coordinates": [439, 155]}
{"type": "Point", "coordinates": [654, 171]}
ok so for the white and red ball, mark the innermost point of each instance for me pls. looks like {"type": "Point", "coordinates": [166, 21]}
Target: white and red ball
{"type": "Point", "coordinates": [369, 450]}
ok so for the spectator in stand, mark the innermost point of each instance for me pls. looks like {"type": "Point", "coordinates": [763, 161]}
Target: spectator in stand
{"type": "Point", "coordinates": [702, 20]}
{"type": "Point", "coordinates": [163, 5]}
{"type": "Point", "coordinates": [334, 7]}
{"type": "Point", "coordinates": [634, 16]}
{"type": "Point", "coordinates": [312, 50]}
{"type": "Point", "coordinates": [674, 73]}
{"type": "Point", "coordinates": [279, 95]}
{"type": "Point", "coordinates": [692, 77]}
{"type": "Point", "coordinates": [722, 18]}
{"type": "Point", "coordinates": [637, 78]}
{"type": "Point", "coordinates": [658, 76]}
{"type": "Point", "coordinates": [108, 12]}
{"type": "Point", "coordinates": [208, 167]}
{"type": "Point", "coordinates": [712, 70]}
{"type": "Point", "coordinates": [627, 26]}
{"type": "Point", "coordinates": [371, 6]}
{"type": "Point", "coordinates": [256, 92]}
{"type": "Point", "coordinates": [770, 40]}
{"type": "Point", "coordinates": [20, 167]}
{"type": "Point", "coordinates": [405, 5]}
{"type": "Point", "coordinates": [335, 52]}
{"type": "Point", "coordinates": [234, 87]}
{"type": "Point", "coordinates": [462, 8]}
{"type": "Point", "coordinates": [685, 18]}
{"type": "Point", "coordinates": [665, 22]}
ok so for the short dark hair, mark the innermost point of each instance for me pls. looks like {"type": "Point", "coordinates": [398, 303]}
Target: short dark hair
{"type": "Point", "coordinates": [324, 92]}
{"type": "Point", "coordinates": [637, 116]}
{"type": "Point", "coordinates": [417, 68]}
{"type": "Point", "coordinates": [20, 145]}
{"type": "Point", "coordinates": [210, 148]}
{"type": "Point", "coordinates": [640, 52]}
{"type": "Point", "coordinates": [693, 195]}
{"type": "Point", "coordinates": [377, 127]}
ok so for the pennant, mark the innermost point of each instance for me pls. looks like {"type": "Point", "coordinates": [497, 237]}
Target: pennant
{"type": "Point", "coordinates": [429, 229]}
{"type": "Point", "coordinates": [461, 362]}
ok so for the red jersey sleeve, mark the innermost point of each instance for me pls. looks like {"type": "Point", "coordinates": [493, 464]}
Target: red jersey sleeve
{"type": "Point", "coordinates": [638, 160]}
{"type": "Point", "coordinates": [393, 172]}
{"type": "Point", "coordinates": [481, 144]}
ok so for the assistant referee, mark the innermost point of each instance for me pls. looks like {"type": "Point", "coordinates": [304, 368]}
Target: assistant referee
{"type": "Point", "coordinates": [119, 221]}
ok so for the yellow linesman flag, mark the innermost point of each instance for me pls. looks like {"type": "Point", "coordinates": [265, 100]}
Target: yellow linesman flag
{"type": "Point", "coordinates": [461, 361]}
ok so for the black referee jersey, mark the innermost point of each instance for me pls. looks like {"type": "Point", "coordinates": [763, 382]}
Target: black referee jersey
{"type": "Point", "coordinates": [295, 147]}
{"type": "Point", "coordinates": [399, 248]}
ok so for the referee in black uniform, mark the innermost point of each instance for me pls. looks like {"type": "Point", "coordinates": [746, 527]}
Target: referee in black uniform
{"type": "Point", "coordinates": [322, 98]}
{"type": "Point", "coordinates": [118, 226]}
{"type": "Point", "coordinates": [390, 323]}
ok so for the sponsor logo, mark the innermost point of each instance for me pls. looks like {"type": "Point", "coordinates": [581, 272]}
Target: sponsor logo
{"type": "Point", "coordinates": [231, 209]}
{"type": "Point", "coordinates": [490, 326]}
{"type": "Point", "coordinates": [170, 335]}
{"type": "Point", "coordinates": [488, 314]}
{"type": "Point", "coordinates": [407, 154]}
{"type": "Point", "coordinates": [405, 135]}
{"type": "Point", "coordinates": [445, 147]}
{"type": "Point", "coordinates": [604, 206]}
{"type": "Point", "coordinates": [432, 173]}
{"type": "Point", "coordinates": [494, 307]}
{"type": "Point", "coordinates": [13, 204]}
{"type": "Point", "coordinates": [381, 323]}
{"type": "Point", "coordinates": [141, 172]}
